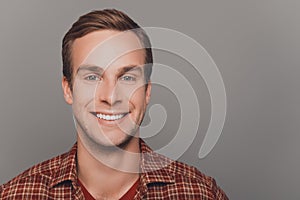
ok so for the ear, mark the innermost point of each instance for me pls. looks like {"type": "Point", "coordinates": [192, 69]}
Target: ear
{"type": "Point", "coordinates": [67, 91]}
{"type": "Point", "coordinates": [148, 92]}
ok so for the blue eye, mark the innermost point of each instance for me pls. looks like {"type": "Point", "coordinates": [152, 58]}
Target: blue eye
{"type": "Point", "coordinates": [92, 78]}
{"type": "Point", "coordinates": [128, 78]}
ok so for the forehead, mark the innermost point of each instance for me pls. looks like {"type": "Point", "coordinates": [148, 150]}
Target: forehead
{"type": "Point", "coordinates": [107, 47]}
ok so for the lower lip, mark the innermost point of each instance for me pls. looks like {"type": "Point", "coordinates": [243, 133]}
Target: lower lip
{"type": "Point", "coordinates": [111, 122]}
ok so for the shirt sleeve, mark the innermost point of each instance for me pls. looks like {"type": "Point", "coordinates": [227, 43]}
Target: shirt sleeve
{"type": "Point", "coordinates": [219, 193]}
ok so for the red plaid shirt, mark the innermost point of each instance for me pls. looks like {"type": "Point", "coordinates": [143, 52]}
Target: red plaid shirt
{"type": "Point", "coordinates": [160, 178]}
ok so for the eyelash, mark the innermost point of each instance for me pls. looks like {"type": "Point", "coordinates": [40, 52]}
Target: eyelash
{"type": "Point", "coordinates": [127, 78]}
{"type": "Point", "coordinates": [89, 77]}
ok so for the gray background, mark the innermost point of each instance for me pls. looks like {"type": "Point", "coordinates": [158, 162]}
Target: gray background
{"type": "Point", "coordinates": [255, 44]}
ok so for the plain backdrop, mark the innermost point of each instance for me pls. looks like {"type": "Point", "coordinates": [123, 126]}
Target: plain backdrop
{"type": "Point", "coordinates": [255, 44]}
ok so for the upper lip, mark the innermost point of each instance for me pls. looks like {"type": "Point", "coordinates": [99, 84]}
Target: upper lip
{"type": "Point", "coordinates": [109, 113]}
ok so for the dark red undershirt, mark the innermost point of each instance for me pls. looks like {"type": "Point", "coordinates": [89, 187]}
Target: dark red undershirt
{"type": "Point", "coordinates": [128, 195]}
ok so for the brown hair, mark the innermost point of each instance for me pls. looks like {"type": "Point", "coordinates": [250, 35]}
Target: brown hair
{"type": "Point", "coordinates": [107, 19]}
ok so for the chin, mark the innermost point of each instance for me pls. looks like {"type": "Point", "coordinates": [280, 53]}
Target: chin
{"type": "Point", "coordinates": [114, 143]}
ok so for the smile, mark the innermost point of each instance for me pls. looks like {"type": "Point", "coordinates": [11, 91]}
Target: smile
{"type": "Point", "coordinates": [109, 117]}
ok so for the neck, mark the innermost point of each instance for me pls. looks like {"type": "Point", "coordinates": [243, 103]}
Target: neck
{"type": "Point", "coordinates": [108, 173]}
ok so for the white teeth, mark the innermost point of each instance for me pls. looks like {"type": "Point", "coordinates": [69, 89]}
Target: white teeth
{"type": "Point", "coordinates": [110, 117]}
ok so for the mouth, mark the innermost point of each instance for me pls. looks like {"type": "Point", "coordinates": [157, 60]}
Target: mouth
{"type": "Point", "coordinates": [109, 117]}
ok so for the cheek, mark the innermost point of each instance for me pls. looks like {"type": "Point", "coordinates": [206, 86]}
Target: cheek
{"type": "Point", "coordinates": [138, 99]}
{"type": "Point", "coordinates": [82, 94]}
{"type": "Point", "coordinates": [134, 92]}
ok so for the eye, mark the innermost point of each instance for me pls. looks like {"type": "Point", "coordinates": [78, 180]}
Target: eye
{"type": "Point", "coordinates": [92, 78]}
{"type": "Point", "coordinates": [128, 78]}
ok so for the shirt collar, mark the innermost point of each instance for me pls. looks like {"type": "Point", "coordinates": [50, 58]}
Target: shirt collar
{"type": "Point", "coordinates": [155, 167]}
{"type": "Point", "coordinates": [67, 169]}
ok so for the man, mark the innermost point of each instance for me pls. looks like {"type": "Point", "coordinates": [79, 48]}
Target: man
{"type": "Point", "coordinates": [107, 63]}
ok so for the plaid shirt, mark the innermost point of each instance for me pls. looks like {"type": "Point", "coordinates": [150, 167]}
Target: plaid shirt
{"type": "Point", "coordinates": [160, 178]}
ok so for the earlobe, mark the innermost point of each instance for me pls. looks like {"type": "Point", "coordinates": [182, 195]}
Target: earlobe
{"type": "Point", "coordinates": [67, 91]}
{"type": "Point", "coordinates": [148, 92]}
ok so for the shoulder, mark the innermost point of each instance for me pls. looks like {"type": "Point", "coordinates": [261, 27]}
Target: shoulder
{"type": "Point", "coordinates": [169, 179]}
{"type": "Point", "coordinates": [195, 181]}
{"type": "Point", "coordinates": [44, 169]}
{"type": "Point", "coordinates": [36, 178]}
{"type": "Point", "coordinates": [184, 172]}
{"type": "Point", "coordinates": [188, 173]}
{"type": "Point", "coordinates": [181, 181]}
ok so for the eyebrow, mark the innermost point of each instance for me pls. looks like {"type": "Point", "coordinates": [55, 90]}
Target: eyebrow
{"type": "Point", "coordinates": [92, 68]}
{"type": "Point", "coordinates": [125, 69]}
{"type": "Point", "coordinates": [100, 70]}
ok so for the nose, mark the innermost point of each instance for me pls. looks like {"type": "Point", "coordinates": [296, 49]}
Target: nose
{"type": "Point", "coordinates": [107, 93]}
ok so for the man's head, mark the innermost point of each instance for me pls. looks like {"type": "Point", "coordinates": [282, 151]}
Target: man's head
{"type": "Point", "coordinates": [108, 19]}
{"type": "Point", "coordinates": [107, 67]}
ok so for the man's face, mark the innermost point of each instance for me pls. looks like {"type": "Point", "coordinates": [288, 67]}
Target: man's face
{"type": "Point", "coordinates": [109, 97]}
